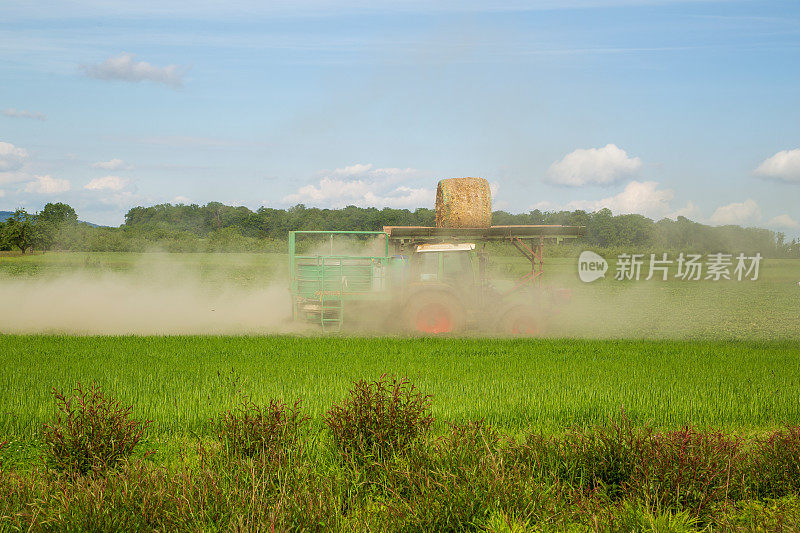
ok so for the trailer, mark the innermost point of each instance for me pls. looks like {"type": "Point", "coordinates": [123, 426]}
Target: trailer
{"type": "Point", "coordinates": [423, 280]}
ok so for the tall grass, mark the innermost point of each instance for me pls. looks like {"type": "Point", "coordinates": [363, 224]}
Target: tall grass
{"type": "Point", "coordinates": [516, 385]}
{"type": "Point", "coordinates": [264, 470]}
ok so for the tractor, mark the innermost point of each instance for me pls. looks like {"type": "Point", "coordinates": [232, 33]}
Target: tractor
{"type": "Point", "coordinates": [422, 280]}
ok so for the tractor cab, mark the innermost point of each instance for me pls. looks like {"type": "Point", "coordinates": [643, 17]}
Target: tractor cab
{"type": "Point", "coordinates": [448, 264]}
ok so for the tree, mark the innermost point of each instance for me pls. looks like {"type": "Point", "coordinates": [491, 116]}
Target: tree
{"type": "Point", "coordinates": [19, 230]}
{"type": "Point", "coordinates": [4, 242]}
{"type": "Point", "coordinates": [51, 223]}
{"type": "Point", "coordinates": [58, 214]}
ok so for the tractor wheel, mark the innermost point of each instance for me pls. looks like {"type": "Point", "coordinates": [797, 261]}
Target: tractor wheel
{"type": "Point", "coordinates": [520, 322]}
{"type": "Point", "coordinates": [434, 314]}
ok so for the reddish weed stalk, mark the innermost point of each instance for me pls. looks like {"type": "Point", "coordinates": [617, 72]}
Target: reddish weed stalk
{"type": "Point", "coordinates": [91, 431]}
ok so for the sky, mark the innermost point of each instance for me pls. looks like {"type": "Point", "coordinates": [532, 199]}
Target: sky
{"type": "Point", "coordinates": [664, 108]}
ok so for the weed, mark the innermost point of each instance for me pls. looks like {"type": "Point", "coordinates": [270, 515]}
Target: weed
{"type": "Point", "coordinates": [633, 516]}
{"type": "Point", "coordinates": [688, 470]}
{"type": "Point", "coordinates": [602, 457]}
{"type": "Point", "coordinates": [781, 514]}
{"type": "Point", "coordinates": [378, 419]}
{"type": "Point", "coordinates": [775, 468]}
{"type": "Point", "coordinates": [90, 432]}
{"type": "Point", "coordinates": [250, 430]}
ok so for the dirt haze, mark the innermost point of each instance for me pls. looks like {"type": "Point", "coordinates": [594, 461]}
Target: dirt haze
{"type": "Point", "coordinates": [157, 297]}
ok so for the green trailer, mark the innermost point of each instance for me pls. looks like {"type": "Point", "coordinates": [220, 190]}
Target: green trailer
{"type": "Point", "coordinates": [419, 279]}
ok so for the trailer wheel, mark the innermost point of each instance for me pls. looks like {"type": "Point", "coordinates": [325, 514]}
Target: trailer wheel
{"type": "Point", "coordinates": [521, 322]}
{"type": "Point", "coordinates": [433, 314]}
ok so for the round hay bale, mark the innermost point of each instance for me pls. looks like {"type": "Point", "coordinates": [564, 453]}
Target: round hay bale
{"type": "Point", "coordinates": [463, 203]}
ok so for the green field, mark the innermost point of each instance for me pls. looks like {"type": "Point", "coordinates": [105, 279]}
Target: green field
{"type": "Point", "coordinates": [516, 385]}
{"type": "Point", "coordinates": [664, 355]}
{"type": "Point", "coordinates": [724, 354]}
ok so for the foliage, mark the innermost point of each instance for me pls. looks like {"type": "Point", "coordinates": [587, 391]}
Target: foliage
{"type": "Point", "coordinates": [219, 227]}
{"type": "Point", "coordinates": [470, 477]}
{"type": "Point", "coordinates": [18, 230]}
{"type": "Point", "coordinates": [378, 419]}
{"type": "Point", "coordinates": [776, 472]}
{"type": "Point", "coordinates": [603, 457]}
{"type": "Point", "coordinates": [41, 231]}
{"type": "Point", "coordinates": [688, 470]}
{"type": "Point", "coordinates": [251, 430]}
{"type": "Point", "coordinates": [91, 432]}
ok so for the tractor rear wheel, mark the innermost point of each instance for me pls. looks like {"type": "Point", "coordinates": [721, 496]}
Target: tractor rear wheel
{"type": "Point", "coordinates": [520, 322]}
{"type": "Point", "coordinates": [434, 314]}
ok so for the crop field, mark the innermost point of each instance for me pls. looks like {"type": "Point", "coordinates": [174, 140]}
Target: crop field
{"type": "Point", "coordinates": [713, 354]}
{"type": "Point", "coordinates": [516, 385]}
{"type": "Point", "coordinates": [652, 356]}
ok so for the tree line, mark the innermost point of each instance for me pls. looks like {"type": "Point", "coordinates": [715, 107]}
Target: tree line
{"type": "Point", "coordinates": [219, 227]}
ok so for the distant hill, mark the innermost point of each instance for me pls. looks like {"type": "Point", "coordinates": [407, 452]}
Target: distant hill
{"type": "Point", "coordinates": [5, 214]}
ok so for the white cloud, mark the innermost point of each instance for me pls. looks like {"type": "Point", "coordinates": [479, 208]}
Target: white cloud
{"type": "Point", "coordinates": [359, 169]}
{"type": "Point", "coordinates": [120, 199]}
{"type": "Point", "coordinates": [367, 171]}
{"type": "Point", "coordinates": [594, 166]}
{"type": "Point", "coordinates": [644, 198]}
{"type": "Point", "coordinates": [783, 221]}
{"type": "Point", "coordinates": [107, 183]}
{"type": "Point", "coordinates": [2, 193]}
{"type": "Point", "coordinates": [11, 157]}
{"type": "Point", "coordinates": [181, 200]}
{"type": "Point", "coordinates": [689, 211]}
{"type": "Point", "coordinates": [363, 185]}
{"type": "Point", "coordinates": [21, 113]}
{"type": "Point", "coordinates": [47, 185]}
{"type": "Point", "coordinates": [737, 213]}
{"type": "Point", "coordinates": [783, 166]}
{"type": "Point", "coordinates": [124, 67]}
{"type": "Point", "coordinates": [113, 164]}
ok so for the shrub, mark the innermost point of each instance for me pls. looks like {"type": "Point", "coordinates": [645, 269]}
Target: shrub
{"type": "Point", "coordinates": [688, 470]}
{"type": "Point", "coordinates": [251, 430]}
{"type": "Point", "coordinates": [378, 419]}
{"type": "Point", "coordinates": [90, 432]}
{"type": "Point", "coordinates": [775, 466]}
{"type": "Point", "coordinates": [601, 457]}
{"type": "Point", "coordinates": [462, 480]}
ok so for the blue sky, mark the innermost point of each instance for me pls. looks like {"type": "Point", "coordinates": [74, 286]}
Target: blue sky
{"type": "Point", "coordinates": [661, 108]}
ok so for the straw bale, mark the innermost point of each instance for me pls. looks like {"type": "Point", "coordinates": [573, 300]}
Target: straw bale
{"type": "Point", "coordinates": [463, 203]}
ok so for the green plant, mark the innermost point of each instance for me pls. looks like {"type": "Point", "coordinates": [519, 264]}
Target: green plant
{"type": "Point", "coordinates": [603, 456]}
{"type": "Point", "coordinates": [90, 432]}
{"type": "Point", "coordinates": [378, 419]}
{"type": "Point", "coordinates": [250, 430]}
{"type": "Point", "coordinates": [775, 466]}
{"type": "Point", "coordinates": [688, 470]}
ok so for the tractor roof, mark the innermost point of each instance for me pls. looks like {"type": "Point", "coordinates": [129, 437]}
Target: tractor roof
{"type": "Point", "coordinates": [445, 247]}
{"type": "Point", "coordinates": [421, 233]}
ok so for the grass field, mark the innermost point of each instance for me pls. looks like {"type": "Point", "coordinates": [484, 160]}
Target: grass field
{"type": "Point", "coordinates": [662, 355]}
{"type": "Point", "coordinates": [516, 385]}
{"type": "Point", "coordinates": [721, 354]}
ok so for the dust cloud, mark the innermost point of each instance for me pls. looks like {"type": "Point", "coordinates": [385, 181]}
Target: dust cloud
{"type": "Point", "coordinates": [168, 294]}
{"type": "Point", "coordinates": [154, 297]}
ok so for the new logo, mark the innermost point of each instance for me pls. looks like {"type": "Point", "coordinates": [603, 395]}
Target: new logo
{"type": "Point", "coordinates": [591, 266]}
